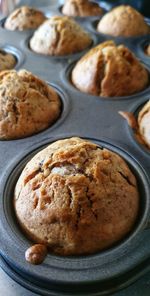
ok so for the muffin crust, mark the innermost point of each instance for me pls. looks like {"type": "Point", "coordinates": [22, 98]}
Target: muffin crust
{"type": "Point", "coordinates": [7, 60]}
{"type": "Point", "coordinates": [81, 8]}
{"type": "Point", "coordinates": [124, 21]}
{"type": "Point", "coordinates": [27, 104]}
{"type": "Point", "coordinates": [109, 70]}
{"type": "Point", "coordinates": [76, 197]}
{"type": "Point", "coordinates": [60, 36]}
{"type": "Point", "coordinates": [144, 124]}
{"type": "Point", "coordinates": [24, 18]}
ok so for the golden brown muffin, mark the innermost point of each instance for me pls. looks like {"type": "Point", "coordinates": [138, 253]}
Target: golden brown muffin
{"type": "Point", "coordinates": [81, 8]}
{"type": "Point", "coordinates": [60, 36]}
{"type": "Point", "coordinates": [76, 197]}
{"type": "Point", "coordinates": [27, 104]}
{"type": "Point", "coordinates": [144, 123]}
{"type": "Point", "coordinates": [123, 21]}
{"type": "Point", "coordinates": [24, 18]}
{"type": "Point", "coordinates": [7, 60]}
{"type": "Point", "coordinates": [109, 70]}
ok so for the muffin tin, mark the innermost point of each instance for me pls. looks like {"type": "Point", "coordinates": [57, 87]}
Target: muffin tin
{"type": "Point", "coordinates": [94, 118]}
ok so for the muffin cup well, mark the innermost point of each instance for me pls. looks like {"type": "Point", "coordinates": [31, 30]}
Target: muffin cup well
{"type": "Point", "coordinates": [66, 77]}
{"type": "Point", "coordinates": [81, 275]}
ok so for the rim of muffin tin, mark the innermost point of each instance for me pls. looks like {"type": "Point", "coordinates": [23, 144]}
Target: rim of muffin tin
{"type": "Point", "coordinates": [65, 109]}
{"type": "Point", "coordinates": [43, 291]}
{"type": "Point", "coordinates": [25, 43]}
{"type": "Point", "coordinates": [17, 53]}
{"type": "Point", "coordinates": [83, 275]}
{"type": "Point", "coordinates": [66, 78]}
{"type": "Point", "coordinates": [135, 109]}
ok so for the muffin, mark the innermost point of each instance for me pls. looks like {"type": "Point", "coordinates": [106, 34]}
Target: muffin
{"type": "Point", "coordinates": [27, 104]}
{"type": "Point", "coordinates": [109, 70]}
{"type": "Point", "coordinates": [24, 18]}
{"type": "Point", "coordinates": [144, 124]}
{"type": "Point", "coordinates": [123, 21]}
{"type": "Point", "coordinates": [76, 198]}
{"type": "Point", "coordinates": [139, 124]}
{"type": "Point", "coordinates": [7, 60]}
{"type": "Point", "coordinates": [81, 8]}
{"type": "Point", "coordinates": [59, 36]}
{"type": "Point", "coordinates": [147, 50]}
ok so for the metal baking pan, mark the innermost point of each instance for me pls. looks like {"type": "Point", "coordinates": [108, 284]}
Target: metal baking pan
{"type": "Point", "coordinates": [90, 117]}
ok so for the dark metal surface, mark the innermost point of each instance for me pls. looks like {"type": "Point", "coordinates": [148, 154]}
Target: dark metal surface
{"type": "Point", "coordinates": [90, 117]}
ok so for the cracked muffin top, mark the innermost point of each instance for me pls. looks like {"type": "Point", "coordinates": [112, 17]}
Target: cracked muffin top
{"type": "Point", "coordinates": [109, 70]}
{"type": "Point", "coordinates": [27, 104]}
{"type": "Point", "coordinates": [76, 197]}
{"type": "Point", "coordinates": [24, 18]}
{"type": "Point", "coordinates": [60, 35]}
{"type": "Point", "coordinates": [7, 60]}
{"type": "Point", "coordinates": [123, 20]}
{"type": "Point", "coordinates": [81, 8]}
{"type": "Point", "coordinates": [144, 124]}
